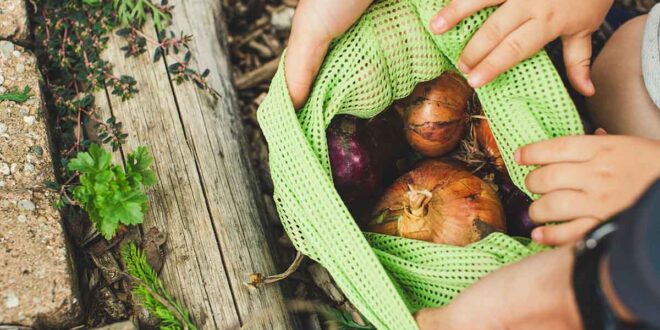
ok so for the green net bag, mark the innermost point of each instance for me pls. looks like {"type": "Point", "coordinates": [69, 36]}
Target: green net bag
{"type": "Point", "coordinates": [384, 55]}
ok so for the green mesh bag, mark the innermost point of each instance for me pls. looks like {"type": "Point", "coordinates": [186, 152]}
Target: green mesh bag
{"type": "Point", "coordinates": [384, 55]}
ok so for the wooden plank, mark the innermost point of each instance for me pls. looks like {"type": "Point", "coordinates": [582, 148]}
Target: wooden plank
{"type": "Point", "coordinates": [193, 269]}
{"type": "Point", "coordinates": [219, 143]}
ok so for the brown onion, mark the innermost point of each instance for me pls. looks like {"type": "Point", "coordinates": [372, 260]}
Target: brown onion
{"type": "Point", "coordinates": [440, 203]}
{"type": "Point", "coordinates": [435, 114]}
{"type": "Point", "coordinates": [488, 144]}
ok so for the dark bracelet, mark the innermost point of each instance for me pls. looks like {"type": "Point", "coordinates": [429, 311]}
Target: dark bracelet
{"type": "Point", "coordinates": [594, 308]}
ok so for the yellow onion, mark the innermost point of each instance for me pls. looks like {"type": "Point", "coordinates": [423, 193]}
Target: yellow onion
{"type": "Point", "coordinates": [435, 114]}
{"type": "Point", "coordinates": [441, 203]}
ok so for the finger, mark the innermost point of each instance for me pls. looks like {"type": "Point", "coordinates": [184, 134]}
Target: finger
{"type": "Point", "coordinates": [431, 318]}
{"type": "Point", "coordinates": [506, 19]}
{"type": "Point", "coordinates": [577, 57]}
{"type": "Point", "coordinates": [307, 46]}
{"type": "Point", "coordinates": [558, 150]}
{"type": "Point", "coordinates": [562, 205]}
{"type": "Point", "coordinates": [456, 11]}
{"type": "Point", "coordinates": [516, 47]}
{"type": "Point", "coordinates": [564, 233]}
{"type": "Point", "coordinates": [561, 176]}
{"type": "Point", "coordinates": [600, 131]}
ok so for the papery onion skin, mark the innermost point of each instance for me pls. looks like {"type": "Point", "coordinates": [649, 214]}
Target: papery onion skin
{"type": "Point", "coordinates": [356, 171]}
{"type": "Point", "coordinates": [487, 143]}
{"type": "Point", "coordinates": [435, 115]}
{"type": "Point", "coordinates": [440, 203]}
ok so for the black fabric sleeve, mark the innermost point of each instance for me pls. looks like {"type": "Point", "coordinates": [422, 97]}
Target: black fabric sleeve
{"type": "Point", "coordinates": [634, 257]}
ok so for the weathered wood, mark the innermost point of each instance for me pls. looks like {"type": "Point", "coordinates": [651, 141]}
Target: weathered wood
{"type": "Point", "coordinates": [207, 199]}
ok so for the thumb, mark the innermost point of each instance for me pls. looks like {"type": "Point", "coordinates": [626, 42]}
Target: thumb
{"type": "Point", "coordinates": [577, 56]}
{"type": "Point", "coordinates": [433, 318]}
{"type": "Point", "coordinates": [307, 46]}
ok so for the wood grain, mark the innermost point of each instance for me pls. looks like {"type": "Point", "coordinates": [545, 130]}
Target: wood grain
{"type": "Point", "coordinates": [207, 198]}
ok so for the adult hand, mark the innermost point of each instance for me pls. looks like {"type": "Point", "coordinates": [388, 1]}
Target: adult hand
{"type": "Point", "coordinates": [520, 28]}
{"type": "Point", "coordinates": [535, 293]}
{"type": "Point", "coordinates": [315, 24]}
{"type": "Point", "coordinates": [586, 179]}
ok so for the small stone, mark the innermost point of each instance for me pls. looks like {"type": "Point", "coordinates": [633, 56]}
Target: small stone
{"type": "Point", "coordinates": [13, 167]}
{"type": "Point", "coordinates": [28, 168]}
{"type": "Point", "coordinates": [281, 20]}
{"type": "Point", "coordinates": [20, 67]}
{"type": "Point", "coordinates": [3, 128]}
{"type": "Point", "coordinates": [16, 54]}
{"type": "Point", "coordinates": [29, 120]}
{"type": "Point", "coordinates": [26, 205]}
{"type": "Point", "coordinates": [2, 80]}
{"type": "Point", "coordinates": [37, 150]}
{"type": "Point", "coordinates": [4, 169]}
{"type": "Point", "coordinates": [6, 48]}
{"type": "Point", "coordinates": [2, 90]}
{"type": "Point", "coordinates": [2, 184]}
{"type": "Point", "coordinates": [11, 300]}
{"type": "Point", "coordinates": [23, 112]}
{"type": "Point", "coordinates": [22, 219]}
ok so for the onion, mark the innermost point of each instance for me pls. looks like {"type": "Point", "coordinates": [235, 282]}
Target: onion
{"type": "Point", "coordinates": [440, 203]}
{"type": "Point", "coordinates": [435, 115]}
{"type": "Point", "coordinates": [363, 157]}
{"type": "Point", "coordinates": [488, 144]}
{"type": "Point", "coordinates": [356, 172]}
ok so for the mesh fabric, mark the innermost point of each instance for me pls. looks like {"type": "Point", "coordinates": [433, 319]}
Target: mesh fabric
{"type": "Point", "coordinates": [381, 59]}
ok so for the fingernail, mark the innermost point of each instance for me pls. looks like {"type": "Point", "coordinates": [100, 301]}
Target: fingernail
{"type": "Point", "coordinates": [463, 67]}
{"type": "Point", "coordinates": [439, 24]}
{"type": "Point", "coordinates": [475, 80]}
{"type": "Point", "coordinates": [516, 156]}
{"type": "Point", "coordinates": [537, 235]}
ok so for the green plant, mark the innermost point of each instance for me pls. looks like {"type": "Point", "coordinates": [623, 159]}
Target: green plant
{"type": "Point", "coordinates": [109, 194]}
{"type": "Point", "coordinates": [16, 95]}
{"type": "Point", "coordinates": [151, 293]}
{"type": "Point", "coordinates": [343, 320]}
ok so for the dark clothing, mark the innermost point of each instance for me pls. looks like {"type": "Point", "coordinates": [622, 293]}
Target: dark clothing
{"type": "Point", "coordinates": [634, 258]}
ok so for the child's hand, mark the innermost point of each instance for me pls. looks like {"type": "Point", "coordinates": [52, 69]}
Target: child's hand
{"type": "Point", "coordinates": [315, 24]}
{"type": "Point", "coordinates": [586, 179]}
{"type": "Point", "coordinates": [520, 28]}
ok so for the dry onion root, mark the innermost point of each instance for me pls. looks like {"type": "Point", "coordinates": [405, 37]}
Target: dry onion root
{"type": "Point", "coordinates": [256, 280]}
{"type": "Point", "coordinates": [439, 203]}
{"type": "Point", "coordinates": [435, 114]}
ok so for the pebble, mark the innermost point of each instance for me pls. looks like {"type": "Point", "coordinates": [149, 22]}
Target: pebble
{"type": "Point", "coordinates": [20, 67]}
{"type": "Point", "coordinates": [23, 112]}
{"type": "Point", "coordinates": [4, 169]}
{"type": "Point", "coordinates": [2, 90]}
{"type": "Point", "coordinates": [28, 168]}
{"type": "Point", "coordinates": [26, 205]}
{"type": "Point", "coordinates": [11, 300]}
{"type": "Point", "coordinates": [6, 48]}
{"type": "Point", "coordinates": [39, 151]}
{"type": "Point", "coordinates": [22, 219]}
{"type": "Point", "coordinates": [3, 128]}
{"type": "Point", "coordinates": [29, 120]}
{"type": "Point", "coordinates": [2, 80]}
{"type": "Point", "coordinates": [281, 20]}
{"type": "Point", "coordinates": [16, 54]}
{"type": "Point", "coordinates": [13, 167]}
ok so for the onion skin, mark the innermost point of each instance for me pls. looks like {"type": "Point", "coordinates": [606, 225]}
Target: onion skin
{"type": "Point", "coordinates": [488, 145]}
{"type": "Point", "coordinates": [435, 115]}
{"type": "Point", "coordinates": [439, 203]}
{"type": "Point", "coordinates": [355, 170]}
{"type": "Point", "coordinates": [363, 157]}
